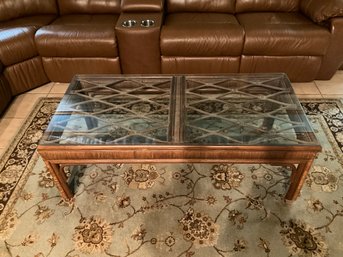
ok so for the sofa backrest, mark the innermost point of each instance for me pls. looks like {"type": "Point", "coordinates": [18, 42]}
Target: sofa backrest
{"type": "Point", "coordinates": [11, 9]}
{"type": "Point", "coordinates": [89, 6]}
{"type": "Point", "coordinates": [267, 5]}
{"type": "Point", "coordinates": [220, 6]}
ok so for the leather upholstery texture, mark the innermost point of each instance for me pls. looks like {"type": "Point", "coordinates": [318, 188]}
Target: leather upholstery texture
{"type": "Point", "coordinates": [201, 34]}
{"type": "Point", "coordinates": [36, 21]}
{"type": "Point", "coordinates": [11, 9]}
{"type": "Point", "coordinates": [19, 21]}
{"type": "Point", "coordinates": [265, 35]}
{"type": "Point", "coordinates": [298, 68]}
{"type": "Point", "coordinates": [26, 75]}
{"type": "Point", "coordinates": [318, 12]}
{"type": "Point", "coordinates": [79, 43]}
{"type": "Point", "coordinates": [288, 34]}
{"type": "Point", "coordinates": [142, 5]}
{"type": "Point", "coordinates": [204, 65]}
{"type": "Point", "coordinates": [139, 47]}
{"type": "Point", "coordinates": [334, 55]}
{"type": "Point", "coordinates": [267, 5]}
{"type": "Point", "coordinates": [89, 6]}
{"type": "Point", "coordinates": [221, 6]}
{"type": "Point", "coordinates": [86, 19]}
{"type": "Point", "coordinates": [63, 69]}
{"type": "Point", "coordinates": [97, 40]}
{"type": "Point", "coordinates": [17, 44]}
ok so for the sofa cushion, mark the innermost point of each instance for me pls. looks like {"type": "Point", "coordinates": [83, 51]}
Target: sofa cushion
{"type": "Point", "coordinates": [11, 9]}
{"type": "Point", "coordinates": [267, 5]}
{"type": "Point", "coordinates": [85, 19]}
{"type": "Point", "coordinates": [201, 34]}
{"type": "Point", "coordinates": [142, 5]}
{"type": "Point", "coordinates": [297, 68]}
{"type": "Point", "coordinates": [78, 36]}
{"type": "Point", "coordinates": [221, 6]}
{"type": "Point", "coordinates": [282, 34]}
{"type": "Point", "coordinates": [36, 21]}
{"type": "Point", "coordinates": [319, 11]}
{"type": "Point", "coordinates": [62, 69]}
{"type": "Point", "coordinates": [17, 45]}
{"type": "Point", "coordinates": [89, 6]}
{"type": "Point", "coordinates": [204, 65]}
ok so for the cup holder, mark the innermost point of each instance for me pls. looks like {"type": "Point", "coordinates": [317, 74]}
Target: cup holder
{"type": "Point", "coordinates": [147, 23]}
{"type": "Point", "coordinates": [129, 23]}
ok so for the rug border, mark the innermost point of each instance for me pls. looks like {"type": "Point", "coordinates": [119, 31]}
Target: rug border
{"type": "Point", "coordinates": [330, 136]}
{"type": "Point", "coordinates": [16, 138]}
{"type": "Point", "coordinates": [6, 155]}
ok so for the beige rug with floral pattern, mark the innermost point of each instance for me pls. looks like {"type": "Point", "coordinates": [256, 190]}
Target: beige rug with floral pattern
{"type": "Point", "coordinates": [173, 209]}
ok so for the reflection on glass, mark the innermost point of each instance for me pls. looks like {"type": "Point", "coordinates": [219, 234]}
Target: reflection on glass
{"type": "Point", "coordinates": [208, 110]}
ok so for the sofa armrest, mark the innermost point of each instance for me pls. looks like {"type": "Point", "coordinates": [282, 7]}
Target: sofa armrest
{"type": "Point", "coordinates": [5, 92]}
{"type": "Point", "coordinates": [333, 58]}
{"type": "Point", "coordinates": [320, 11]}
{"type": "Point", "coordinates": [142, 5]}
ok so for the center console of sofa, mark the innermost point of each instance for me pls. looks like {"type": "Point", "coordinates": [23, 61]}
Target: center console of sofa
{"type": "Point", "coordinates": [138, 32]}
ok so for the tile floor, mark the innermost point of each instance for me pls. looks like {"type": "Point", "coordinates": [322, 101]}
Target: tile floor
{"type": "Point", "coordinates": [22, 105]}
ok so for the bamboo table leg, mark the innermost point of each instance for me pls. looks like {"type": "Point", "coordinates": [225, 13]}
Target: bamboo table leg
{"type": "Point", "coordinates": [60, 180]}
{"type": "Point", "coordinates": [297, 180]}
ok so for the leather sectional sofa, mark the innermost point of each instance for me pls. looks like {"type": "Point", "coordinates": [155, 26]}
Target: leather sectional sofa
{"type": "Point", "coordinates": [51, 40]}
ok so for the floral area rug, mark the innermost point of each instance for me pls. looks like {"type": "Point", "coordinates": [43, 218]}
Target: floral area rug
{"type": "Point", "coordinates": [173, 209]}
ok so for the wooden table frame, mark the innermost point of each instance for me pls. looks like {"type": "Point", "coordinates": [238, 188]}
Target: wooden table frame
{"type": "Point", "coordinates": [299, 158]}
{"type": "Point", "coordinates": [298, 154]}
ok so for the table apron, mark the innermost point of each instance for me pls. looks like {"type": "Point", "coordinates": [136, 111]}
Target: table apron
{"type": "Point", "coordinates": [177, 155]}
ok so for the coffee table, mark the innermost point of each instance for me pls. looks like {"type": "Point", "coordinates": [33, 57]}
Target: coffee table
{"type": "Point", "coordinates": [238, 118]}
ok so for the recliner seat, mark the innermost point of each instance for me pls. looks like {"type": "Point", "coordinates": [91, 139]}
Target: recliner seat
{"type": "Point", "coordinates": [82, 40]}
{"type": "Point", "coordinates": [283, 42]}
{"type": "Point", "coordinates": [201, 37]}
{"type": "Point", "coordinates": [298, 37]}
{"type": "Point", "coordinates": [19, 21]}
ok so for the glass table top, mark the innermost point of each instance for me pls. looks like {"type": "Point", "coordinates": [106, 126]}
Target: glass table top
{"type": "Point", "coordinates": [242, 109]}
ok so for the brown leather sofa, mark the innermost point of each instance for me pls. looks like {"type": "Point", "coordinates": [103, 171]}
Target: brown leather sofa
{"type": "Point", "coordinates": [22, 67]}
{"type": "Point", "coordinates": [51, 40]}
{"type": "Point", "coordinates": [299, 37]}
